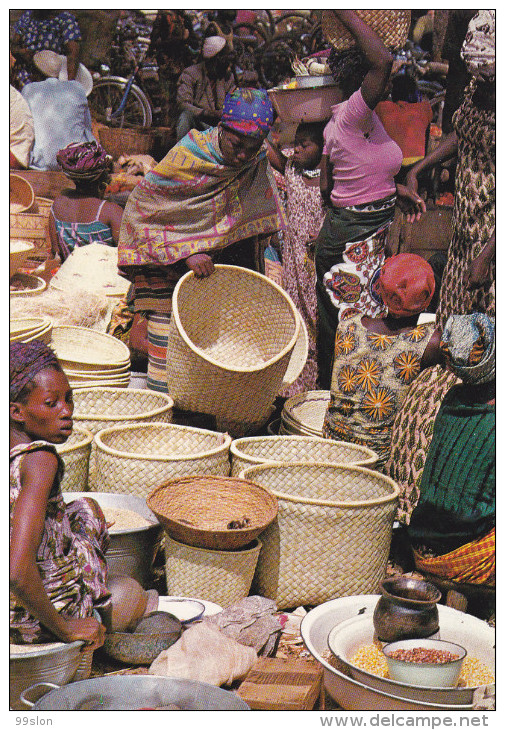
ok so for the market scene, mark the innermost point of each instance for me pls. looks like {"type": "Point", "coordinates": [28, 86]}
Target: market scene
{"type": "Point", "coordinates": [252, 360]}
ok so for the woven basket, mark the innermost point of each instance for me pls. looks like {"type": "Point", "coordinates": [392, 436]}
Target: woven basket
{"type": "Point", "coordinates": [392, 26]}
{"type": "Point", "coordinates": [247, 452]}
{"type": "Point", "coordinates": [99, 408]}
{"type": "Point", "coordinates": [332, 534]}
{"type": "Point", "coordinates": [43, 206]}
{"type": "Point", "coordinates": [18, 253]}
{"type": "Point", "coordinates": [220, 576]}
{"type": "Point", "coordinates": [196, 510]}
{"type": "Point", "coordinates": [303, 414]}
{"type": "Point", "coordinates": [33, 227]}
{"type": "Point", "coordinates": [26, 329]}
{"type": "Point", "coordinates": [298, 356]}
{"type": "Point", "coordinates": [136, 459]}
{"type": "Point", "coordinates": [20, 193]}
{"type": "Point", "coordinates": [81, 348]}
{"type": "Point", "coordinates": [119, 141]}
{"type": "Point", "coordinates": [75, 454]}
{"type": "Point", "coordinates": [33, 285]}
{"type": "Point", "coordinates": [240, 350]}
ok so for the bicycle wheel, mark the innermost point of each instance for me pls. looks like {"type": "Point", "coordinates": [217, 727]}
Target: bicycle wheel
{"type": "Point", "coordinates": [106, 97]}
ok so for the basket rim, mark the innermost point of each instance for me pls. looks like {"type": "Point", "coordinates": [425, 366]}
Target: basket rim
{"type": "Point", "coordinates": [225, 445]}
{"type": "Point", "coordinates": [26, 183]}
{"type": "Point", "coordinates": [148, 414]}
{"type": "Point", "coordinates": [255, 542]}
{"type": "Point", "coordinates": [291, 378]}
{"type": "Point", "coordinates": [87, 439]}
{"type": "Point", "coordinates": [371, 456]}
{"type": "Point", "coordinates": [201, 353]}
{"type": "Point", "coordinates": [94, 333]}
{"type": "Point", "coordinates": [252, 470]}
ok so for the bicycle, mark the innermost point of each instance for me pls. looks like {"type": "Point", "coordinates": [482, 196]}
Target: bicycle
{"type": "Point", "coordinates": [120, 102]}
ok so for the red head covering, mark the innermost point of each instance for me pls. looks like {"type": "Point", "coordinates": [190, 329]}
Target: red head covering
{"type": "Point", "coordinates": [406, 284]}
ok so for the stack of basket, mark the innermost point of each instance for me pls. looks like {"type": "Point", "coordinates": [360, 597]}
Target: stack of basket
{"type": "Point", "coordinates": [26, 329]}
{"type": "Point", "coordinates": [29, 216]}
{"type": "Point", "coordinates": [303, 414]}
{"type": "Point", "coordinates": [212, 525]}
{"type": "Point", "coordinates": [91, 358]}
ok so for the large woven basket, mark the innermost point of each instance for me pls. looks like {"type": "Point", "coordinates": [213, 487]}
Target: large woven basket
{"type": "Point", "coordinates": [75, 454]}
{"type": "Point", "coordinates": [298, 356]}
{"type": "Point", "coordinates": [220, 576]}
{"type": "Point", "coordinates": [332, 534]}
{"type": "Point", "coordinates": [303, 414]}
{"type": "Point", "coordinates": [21, 195]}
{"type": "Point", "coordinates": [119, 141]}
{"type": "Point", "coordinates": [33, 227]}
{"type": "Point", "coordinates": [230, 340]}
{"type": "Point", "coordinates": [196, 510]}
{"type": "Point", "coordinates": [135, 459]}
{"type": "Point", "coordinates": [87, 350]}
{"type": "Point", "coordinates": [392, 26]}
{"type": "Point", "coordinates": [254, 450]}
{"type": "Point", "coordinates": [99, 408]}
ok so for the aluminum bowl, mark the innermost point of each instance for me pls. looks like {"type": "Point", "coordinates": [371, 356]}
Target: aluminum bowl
{"type": "Point", "coordinates": [132, 551]}
{"type": "Point", "coordinates": [311, 82]}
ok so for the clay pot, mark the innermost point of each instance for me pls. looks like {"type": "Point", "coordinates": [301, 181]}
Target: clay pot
{"type": "Point", "coordinates": [407, 609]}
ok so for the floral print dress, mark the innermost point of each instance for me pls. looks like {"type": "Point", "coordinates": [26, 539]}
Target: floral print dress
{"type": "Point", "coordinates": [372, 373]}
{"type": "Point", "coordinates": [70, 557]}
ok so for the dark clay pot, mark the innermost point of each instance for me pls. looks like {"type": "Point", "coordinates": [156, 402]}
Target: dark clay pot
{"type": "Point", "coordinates": [407, 609]}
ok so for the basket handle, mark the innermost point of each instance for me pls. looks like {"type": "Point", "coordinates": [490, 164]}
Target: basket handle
{"type": "Point", "coordinates": [28, 702]}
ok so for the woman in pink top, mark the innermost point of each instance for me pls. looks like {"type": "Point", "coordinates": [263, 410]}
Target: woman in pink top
{"type": "Point", "coordinates": [358, 168]}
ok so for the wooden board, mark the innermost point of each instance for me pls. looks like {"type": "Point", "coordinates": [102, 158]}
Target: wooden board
{"type": "Point", "coordinates": [282, 684]}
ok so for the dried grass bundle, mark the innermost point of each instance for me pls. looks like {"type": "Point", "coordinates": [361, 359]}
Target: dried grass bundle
{"type": "Point", "coordinates": [82, 309]}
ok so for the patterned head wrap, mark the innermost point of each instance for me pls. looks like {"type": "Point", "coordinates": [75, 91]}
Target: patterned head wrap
{"type": "Point", "coordinates": [26, 360]}
{"type": "Point", "coordinates": [478, 50]}
{"type": "Point", "coordinates": [468, 343]}
{"type": "Point", "coordinates": [406, 284]}
{"type": "Point", "coordinates": [86, 161]}
{"type": "Point", "coordinates": [249, 112]}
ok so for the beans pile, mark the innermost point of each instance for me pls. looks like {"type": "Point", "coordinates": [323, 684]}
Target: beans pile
{"type": "Point", "coordinates": [420, 655]}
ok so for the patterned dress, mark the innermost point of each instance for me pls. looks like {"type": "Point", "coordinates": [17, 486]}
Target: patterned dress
{"type": "Point", "coordinates": [474, 210]}
{"type": "Point", "coordinates": [70, 557]}
{"type": "Point", "coordinates": [70, 235]}
{"type": "Point", "coordinates": [371, 376]}
{"type": "Point", "coordinates": [305, 216]}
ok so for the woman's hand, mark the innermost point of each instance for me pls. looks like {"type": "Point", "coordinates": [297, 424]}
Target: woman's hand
{"type": "Point", "coordinates": [201, 264]}
{"type": "Point", "coordinates": [410, 203]}
{"type": "Point", "coordinates": [89, 630]}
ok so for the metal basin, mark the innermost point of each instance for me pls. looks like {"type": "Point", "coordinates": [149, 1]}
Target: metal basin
{"type": "Point", "coordinates": [310, 82]}
{"type": "Point", "coordinates": [137, 692]}
{"type": "Point", "coordinates": [131, 552]}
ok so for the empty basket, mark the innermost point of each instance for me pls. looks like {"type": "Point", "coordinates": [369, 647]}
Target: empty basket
{"type": "Point", "coordinates": [137, 458]}
{"type": "Point", "coordinates": [254, 450]}
{"type": "Point", "coordinates": [332, 534]}
{"type": "Point", "coordinates": [99, 408]}
{"type": "Point", "coordinates": [230, 340]}
{"type": "Point", "coordinates": [392, 26]}
{"type": "Point", "coordinates": [198, 510]}
{"type": "Point", "coordinates": [303, 414]}
{"type": "Point", "coordinates": [75, 454]}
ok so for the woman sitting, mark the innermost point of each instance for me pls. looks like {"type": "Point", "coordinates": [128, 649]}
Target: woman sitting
{"type": "Point", "coordinates": [81, 216]}
{"type": "Point", "coordinates": [376, 359]}
{"type": "Point", "coordinates": [452, 528]}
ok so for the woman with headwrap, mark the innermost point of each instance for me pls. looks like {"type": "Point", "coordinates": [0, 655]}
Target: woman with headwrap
{"type": "Point", "coordinates": [359, 165]}
{"type": "Point", "coordinates": [452, 528]}
{"type": "Point", "coordinates": [81, 216]}
{"type": "Point", "coordinates": [212, 190]}
{"type": "Point", "coordinates": [469, 278]}
{"type": "Point", "coordinates": [377, 358]}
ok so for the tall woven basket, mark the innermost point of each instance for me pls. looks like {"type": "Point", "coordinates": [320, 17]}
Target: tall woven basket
{"type": "Point", "coordinates": [254, 450]}
{"type": "Point", "coordinates": [392, 26]}
{"type": "Point", "coordinates": [230, 340]}
{"type": "Point", "coordinates": [332, 534]}
{"type": "Point", "coordinates": [137, 458]}
{"type": "Point", "coordinates": [75, 454]}
{"type": "Point", "coordinates": [220, 576]}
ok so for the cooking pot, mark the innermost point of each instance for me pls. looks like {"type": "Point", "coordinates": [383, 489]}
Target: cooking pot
{"type": "Point", "coordinates": [133, 693]}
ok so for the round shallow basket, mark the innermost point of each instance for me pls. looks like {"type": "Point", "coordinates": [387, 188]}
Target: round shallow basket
{"type": "Point", "coordinates": [25, 329]}
{"type": "Point", "coordinates": [19, 250]}
{"type": "Point", "coordinates": [132, 549]}
{"type": "Point", "coordinates": [137, 458]}
{"type": "Point", "coordinates": [88, 349]}
{"type": "Point", "coordinates": [333, 527]}
{"type": "Point", "coordinates": [254, 450]}
{"type": "Point", "coordinates": [57, 664]}
{"type": "Point", "coordinates": [75, 454]}
{"type": "Point", "coordinates": [303, 414]}
{"type": "Point", "coordinates": [99, 408]}
{"type": "Point", "coordinates": [21, 195]}
{"type": "Point", "coordinates": [240, 350]}
{"type": "Point", "coordinates": [392, 26]}
{"type": "Point", "coordinates": [221, 576]}
{"type": "Point", "coordinates": [198, 511]}
{"type": "Point", "coordinates": [29, 285]}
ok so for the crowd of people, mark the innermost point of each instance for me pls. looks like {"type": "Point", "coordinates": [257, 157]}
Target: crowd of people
{"type": "Point", "coordinates": [208, 201]}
